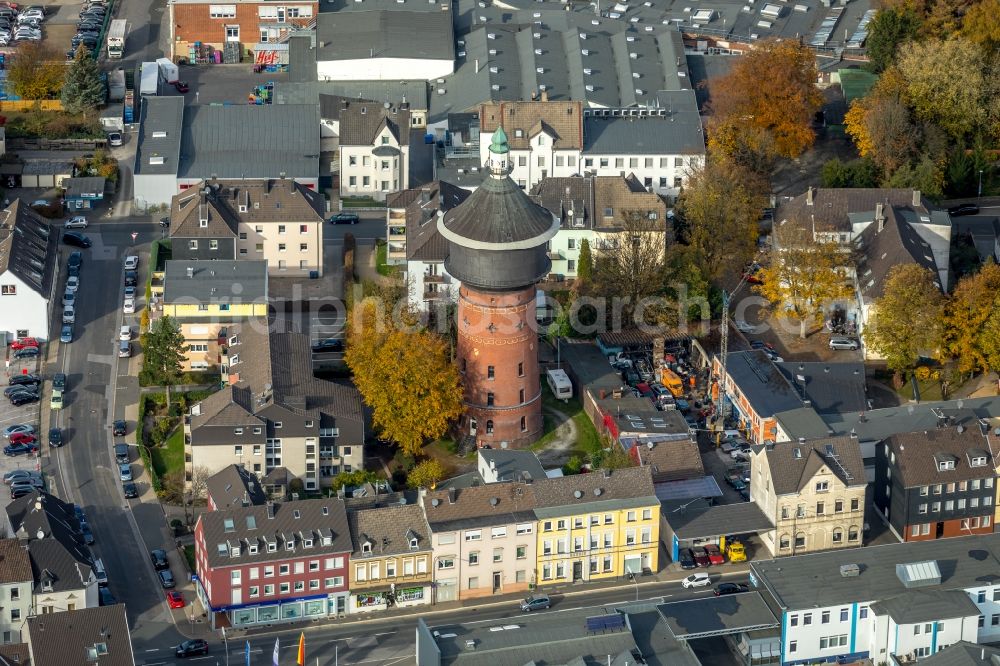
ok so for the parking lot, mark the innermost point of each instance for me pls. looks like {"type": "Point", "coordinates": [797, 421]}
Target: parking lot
{"type": "Point", "coordinates": [11, 415]}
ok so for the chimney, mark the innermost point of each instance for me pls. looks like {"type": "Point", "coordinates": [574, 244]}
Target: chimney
{"type": "Point", "coordinates": [270, 510]}
{"type": "Point", "coordinates": [809, 196]}
{"type": "Point", "coordinates": [916, 199]}
{"type": "Point", "coordinates": [545, 95]}
{"type": "Point", "coordinates": [879, 217]}
{"type": "Point", "coordinates": [451, 495]}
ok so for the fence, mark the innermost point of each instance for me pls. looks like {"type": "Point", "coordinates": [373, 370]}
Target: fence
{"type": "Point", "coordinates": [31, 105]}
{"type": "Point", "coordinates": [76, 145]}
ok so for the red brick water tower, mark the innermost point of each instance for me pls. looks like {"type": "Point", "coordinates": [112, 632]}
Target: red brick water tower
{"type": "Point", "coordinates": [497, 248]}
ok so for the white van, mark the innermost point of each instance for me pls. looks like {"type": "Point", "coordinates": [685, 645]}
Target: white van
{"type": "Point", "coordinates": [562, 387]}
{"type": "Point", "coordinates": [100, 573]}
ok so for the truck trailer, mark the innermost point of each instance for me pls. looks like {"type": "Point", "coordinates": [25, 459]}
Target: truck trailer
{"type": "Point", "coordinates": [116, 38]}
{"type": "Point", "coordinates": [149, 78]}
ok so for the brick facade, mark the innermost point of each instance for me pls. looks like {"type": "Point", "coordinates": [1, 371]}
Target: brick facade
{"type": "Point", "coordinates": [949, 528]}
{"type": "Point", "coordinates": [496, 331]}
{"type": "Point", "coordinates": [193, 22]}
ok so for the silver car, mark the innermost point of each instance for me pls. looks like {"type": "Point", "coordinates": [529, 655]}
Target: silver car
{"type": "Point", "coordinates": [844, 343]}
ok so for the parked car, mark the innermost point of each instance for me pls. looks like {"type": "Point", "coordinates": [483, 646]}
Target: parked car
{"type": "Point", "coordinates": [121, 453]}
{"type": "Point", "coordinates": [56, 401]}
{"type": "Point", "coordinates": [25, 398]}
{"type": "Point", "coordinates": [129, 291]}
{"type": "Point", "coordinates": [29, 483]}
{"type": "Point", "coordinates": [115, 139]}
{"type": "Point", "coordinates": [700, 579]}
{"type": "Point", "coordinates": [166, 579]}
{"type": "Point", "coordinates": [12, 475]}
{"type": "Point", "coordinates": [181, 86]}
{"type": "Point", "coordinates": [686, 559]}
{"type": "Point", "coordinates": [88, 536]}
{"type": "Point", "coordinates": [128, 307]}
{"type": "Point", "coordinates": [21, 491]}
{"type": "Point", "coordinates": [730, 588]}
{"type": "Point", "coordinates": [75, 259]}
{"type": "Point", "coordinates": [56, 437]}
{"type": "Point", "coordinates": [72, 283]}
{"type": "Point", "coordinates": [118, 428]}
{"type": "Point", "coordinates": [125, 333]}
{"type": "Point", "coordinates": [18, 428]}
{"type": "Point", "coordinates": [700, 557]}
{"type": "Point", "coordinates": [59, 381]}
{"type": "Point", "coordinates": [21, 343]}
{"type": "Point", "coordinates": [743, 327]}
{"type": "Point", "coordinates": [536, 602]}
{"type": "Point", "coordinates": [195, 646]}
{"type": "Point", "coordinates": [328, 345]}
{"type": "Point", "coordinates": [964, 209]}
{"type": "Point", "coordinates": [124, 349]}
{"type": "Point", "coordinates": [125, 472]}
{"type": "Point", "coordinates": [76, 222]}
{"type": "Point", "coordinates": [844, 343]}
{"type": "Point", "coordinates": [25, 380]}
{"type": "Point", "coordinates": [17, 388]}
{"type": "Point", "coordinates": [69, 315]}
{"type": "Point", "coordinates": [76, 239]}
{"type": "Point", "coordinates": [175, 599]}
{"type": "Point", "coordinates": [345, 218]}
{"type": "Point", "coordinates": [69, 298]}
{"type": "Point", "coordinates": [12, 450]}
{"type": "Point", "coordinates": [27, 352]}
{"type": "Point", "coordinates": [22, 438]}
{"type": "Point", "coordinates": [131, 278]}
{"type": "Point", "coordinates": [159, 559]}
{"type": "Point", "coordinates": [714, 554]}
{"type": "Point", "coordinates": [130, 490]}
{"type": "Point", "coordinates": [131, 262]}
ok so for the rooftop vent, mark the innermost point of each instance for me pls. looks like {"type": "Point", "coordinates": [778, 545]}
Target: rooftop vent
{"type": "Point", "coordinates": [850, 570]}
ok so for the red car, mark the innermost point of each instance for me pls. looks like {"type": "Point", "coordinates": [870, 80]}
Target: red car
{"type": "Point", "coordinates": [700, 557]}
{"type": "Point", "coordinates": [714, 555]}
{"type": "Point", "coordinates": [174, 599]}
{"type": "Point", "coordinates": [22, 438]}
{"type": "Point", "coordinates": [23, 343]}
{"type": "Point", "coordinates": [181, 86]}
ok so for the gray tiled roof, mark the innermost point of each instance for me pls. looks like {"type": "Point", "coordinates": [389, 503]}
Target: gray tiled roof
{"type": "Point", "coordinates": [964, 653]}
{"type": "Point", "coordinates": [794, 464]}
{"type": "Point", "coordinates": [386, 33]}
{"type": "Point", "coordinates": [76, 187]}
{"type": "Point", "coordinates": [806, 581]}
{"type": "Point", "coordinates": [41, 516]}
{"type": "Point", "coordinates": [53, 565]}
{"type": "Point", "coordinates": [459, 508]}
{"type": "Point", "coordinates": [916, 455]}
{"type": "Point", "coordinates": [64, 638]}
{"type": "Point", "coordinates": [160, 123]}
{"type": "Point", "coordinates": [677, 132]}
{"type": "Point", "coordinates": [802, 422]}
{"type": "Point", "coordinates": [389, 530]}
{"type": "Point", "coordinates": [230, 202]}
{"type": "Point", "coordinates": [512, 464]}
{"type": "Point", "coordinates": [914, 606]}
{"type": "Point", "coordinates": [884, 246]}
{"type": "Point", "coordinates": [292, 522]}
{"type": "Point", "coordinates": [832, 207]}
{"type": "Point", "coordinates": [312, 91]}
{"type": "Point", "coordinates": [603, 490]}
{"type": "Point", "coordinates": [498, 212]}
{"type": "Point", "coordinates": [248, 141]}
{"type": "Point", "coordinates": [423, 240]}
{"type": "Point", "coordinates": [361, 122]}
{"type": "Point", "coordinates": [233, 486]}
{"type": "Point", "coordinates": [215, 281]}
{"type": "Point", "coordinates": [571, 199]}
{"type": "Point", "coordinates": [15, 567]}
{"type": "Point", "coordinates": [28, 247]}
{"type": "Point", "coordinates": [193, 205]}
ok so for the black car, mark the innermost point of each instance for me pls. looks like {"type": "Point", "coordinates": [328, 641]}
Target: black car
{"type": "Point", "coordinates": [119, 428]}
{"type": "Point", "coordinates": [56, 437]}
{"type": "Point", "coordinates": [131, 278]}
{"type": "Point", "coordinates": [107, 599]}
{"type": "Point", "coordinates": [27, 352]}
{"type": "Point", "coordinates": [192, 647]}
{"type": "Point", "coordinates": [730, 588]}
{"type": "Point", "coordinates": [25, 380]}
{"type": "Point", "coordinates": [75, 258]}
{"type": "Point", "coordinates": [963, 209]}
{"type": "Point", "coordinates": [686, 559]}
{"type": "Point", "coordinates": [19, 399]}
{"type": "Point", "coordinates": [328, 345]}
{"type": "Point", "coordinates": [59, 381]}
{"type": "Point", "coordinates": [76, 240]}
{"type": "Point", "coordinates": [20, 388]}
{"type": "Point", "coordinates": [345, 218]}
{"type": "Point", "coordinates": [130, 489]}
{"type": "Point", "coordinates": [159, 558]}
{"type": "Point", "coordinates": [20, 491]}
{"type": "Point", "coordinates": [88, 536]}
{"type": "Point", "coordinates": [166, 579]}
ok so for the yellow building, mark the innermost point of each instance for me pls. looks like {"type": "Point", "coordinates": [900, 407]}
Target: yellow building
{"type": "Point", "coordinates": [206, 298]}
{"type": "Point", "coordinates": [596, 526]}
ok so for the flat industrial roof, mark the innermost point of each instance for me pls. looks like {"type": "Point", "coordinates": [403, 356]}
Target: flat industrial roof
{"type": "Point", "coordinates": [699, 521]}
{"type": "Point", "coordinates": [717, 616]}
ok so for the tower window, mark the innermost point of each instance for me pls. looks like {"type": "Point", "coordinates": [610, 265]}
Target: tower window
{"type": "Point", "coordinates": [520, 369]}
{"type": "Point", "coordinates": [524, 424]}
{"type": "Point", "coordinates": [489, 427]}
{"type": "Point", "coordinates": [490, 374]}
{"type": "Point", "coordinates": [522, 395]}
{"type": "Point", "coordinates": [489, 399]}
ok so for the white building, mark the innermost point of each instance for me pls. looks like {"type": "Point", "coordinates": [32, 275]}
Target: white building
{"type": "Point", "coordinates": [15, 590]}
{"type": "Point", "coordinates": [28, 272]}
{"type": "Point", "coordinates": [892, 604]}
{"type": "Point", "coordinates": [374, 149]}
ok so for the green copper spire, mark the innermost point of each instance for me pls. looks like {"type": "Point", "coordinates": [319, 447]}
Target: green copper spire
{"type": "Point", "coordinates": [499, 145]}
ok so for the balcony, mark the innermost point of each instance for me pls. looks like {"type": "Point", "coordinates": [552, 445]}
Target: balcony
{"type": "Point", "coordinates": [432, 278]}
{"type": "Point", "coordinates": [436, 295]}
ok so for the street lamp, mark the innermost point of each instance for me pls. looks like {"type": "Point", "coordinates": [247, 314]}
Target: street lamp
{"type": "Point", "coordinates": [980, 195]}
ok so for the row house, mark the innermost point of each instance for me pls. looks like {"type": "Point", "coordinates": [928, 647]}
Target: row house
{"type": "Point", "coordinates": [273, 416]}
{"type": "Point", "coordinates": [391, 558]}
{"type": "Point", "coordinates": [274, 562]}
{"type": "Point", "coordinates": [659, 146]}
{"type": "Point", "coordinates": [892, 604]}
{"type": "Point", "coordinates": [276, 220]}
{"type": "Point", "coordinates": [936, 483]}
{"type": "Point", "coordinates": [813, 492]}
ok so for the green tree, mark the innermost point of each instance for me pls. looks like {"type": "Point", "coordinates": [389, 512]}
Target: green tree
{"type": "Point", "coordinates": [163, 353]}
{"type": "Point", "coordinates": [925, 175]}
{"type": "Point", "coordinates": [585, 263]}
{"type": "Point", "coordinates": [972, 319]}
{"type": "Point", "coordinates": [36, 72]}
{"type": "Point", "coordinates": [855, 173]}
{"type": "Point", "coordinates": [82, 90]}
{"type": "Point", "coordinates": [426, 474]}
{"type": "Point", "coordinates": [908, 317]}
{"type": "Point", "coordinates": [889, 29]}
{"type": "Point", "coordinates": [353, 479]}
{"type": "Point", "coordinates": [805, 275]}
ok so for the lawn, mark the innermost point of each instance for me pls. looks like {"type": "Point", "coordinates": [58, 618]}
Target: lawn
{"type": "Point", "coordinates": [169, 457]}
{"type": "Point", "coordinates": [587, 441]}
{"type": "Point", "coordinates": [381, 254]}
{"type": "Point", "coordinates": [35, 124]}
{"type": "Point", "coordinates": [929, 389]}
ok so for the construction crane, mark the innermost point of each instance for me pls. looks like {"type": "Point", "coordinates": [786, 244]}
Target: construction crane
{"type": "Point", "coordinates": [724, 344]}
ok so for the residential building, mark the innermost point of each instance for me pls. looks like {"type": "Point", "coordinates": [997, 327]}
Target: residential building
{"type": "Point", "coordinates": [813, 492]}
{"type": "Point", "coordinates": [379, 40]}
{"type": "Point", "coordinates": [62, 566]}
{"type": "Point", "coordinates": [670, 458]}
{"type": "Point", "coordinates": [407, 229]}
{"type": "Point", "coordinates": [209, 299]}
{"type": "Point", "coordinates": [374, 148]}
{"type": "Point", "coordinates": [16, 584]}
{"type": "Point", "coordinates": [892, 603]}
{"type": "Point", "coordinates": [273, 563]}
{"type": "Point", "coordinates": [251, 25]}
{"type": "Point", "coordinates": [496, 465]}
{"type": "Point", "coordinates": [276, 220]}
{"type": "Point", "coordinates": [274, 415]}
{"type": "Point", "coordinates": [232, 487]}
{"type": "Point", "coordinates": [391, 564]}
{"type": "Point", "coordinates": [483, 539]}
{"type": "Point", "coordinates": [562, 139]}
{"type": "Point", "coordinates": [83, 636]}
{"type": "Point", "coordinates": [596, 526]}
{"type": "Point", "coordinates": [936, 483]}
{"type": "Point", "coordinates": [28, 271]}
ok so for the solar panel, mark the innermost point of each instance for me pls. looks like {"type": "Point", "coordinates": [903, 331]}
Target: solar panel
{"type": "Point", "coordinates": [605, 622]}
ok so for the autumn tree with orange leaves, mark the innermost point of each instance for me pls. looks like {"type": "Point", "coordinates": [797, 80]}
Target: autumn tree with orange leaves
{"type": "Point", "coordinates": [765, 105]}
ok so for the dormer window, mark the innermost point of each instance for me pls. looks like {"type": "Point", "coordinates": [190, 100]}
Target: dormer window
{"type": "Point", "coordinates": [979, 461]}
{"type": "Point", "coordinates": [234, 551]}
{"type": "Point", "coordinates": [235, 340]}
{"type": "Point", "coordinates": [228, 525]}
{"type": "Point", "coordinates": [272, 547]}
{"type": "Point", "coordinates": [366, 547]}
{"type": "Point", "coordinates": [237, 431]}
{"type": "Point", "coordinates": [203, 222]}
{"type": "Point", "coordinates": [290, 544]}
{"type": "Point", "coordinates": [253, 549]}
{"type": "Point", "coordinates": [945, 465]}
{"type": "Point", "coordinates": [327, 541]}
{"type": "Point", "coordinates": [307, 543]}
{"type": "Point", "coordinates": [413, 544]}
{"type": "Point", "coordinates": [223, 549]}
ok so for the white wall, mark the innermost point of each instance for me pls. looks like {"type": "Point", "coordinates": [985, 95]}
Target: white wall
{"type": "Point", "coordinates": [415, 272]}
{"type": "Point", "coordinates": [383, 69]}
{"type": "Point", "coordinates": [154, 190]}
{"type": "Point", "coordinates": [10, 630]}
{"type": "Point", "coordinates": [659, 170]}
{"type": "Point", "coordinates": [84, 597]}
{"type": "Point", "coordinates": [25, 309]}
